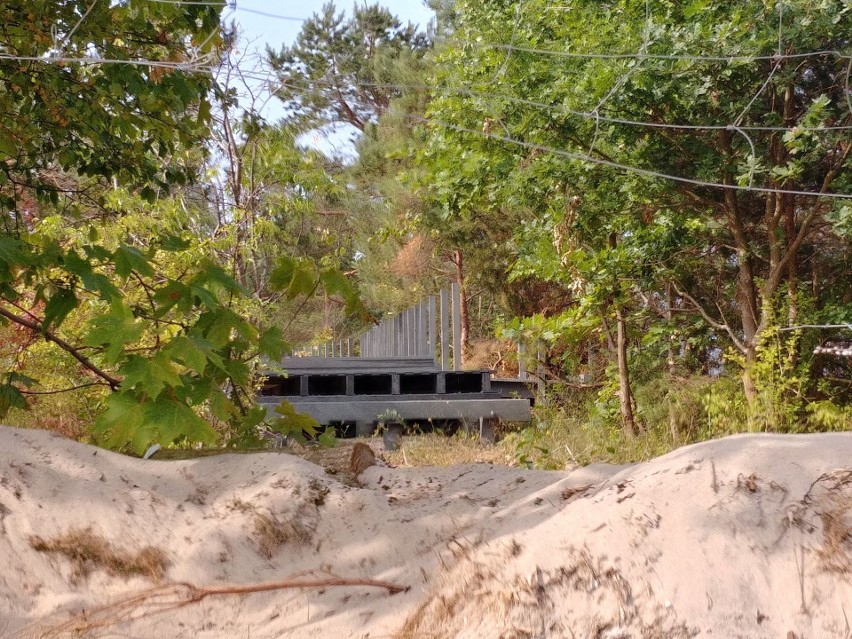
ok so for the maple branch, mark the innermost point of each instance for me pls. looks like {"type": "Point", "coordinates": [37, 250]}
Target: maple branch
{"type": "Point", "coordinates": [37, 327]}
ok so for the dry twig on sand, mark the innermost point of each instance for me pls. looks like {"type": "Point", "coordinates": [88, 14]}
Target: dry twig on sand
{"type": "Point", "coordinates": [173, 596]}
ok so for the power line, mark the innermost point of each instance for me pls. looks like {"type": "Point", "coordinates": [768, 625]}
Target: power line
{"type": "Point", "coordinates": [588, 115]}
{"type": "Point", "coordinates": [582, 157]}
{"type": "Point", "coordinates": [198, 64]}
{"type": "Point", "coordinates": [231, 5]}
{"type": "Point", "coordinates": [645, 56]}
{"type": "Point", "coordinates": [509, 47]}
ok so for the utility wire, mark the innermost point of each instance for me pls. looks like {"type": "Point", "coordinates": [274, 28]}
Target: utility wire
{"type": "Point", "coordinates": [588, 115]}
{"type": "Point", "coordinates": [232, 5]}
{"type": "Point", "coordinates": [582, 157]}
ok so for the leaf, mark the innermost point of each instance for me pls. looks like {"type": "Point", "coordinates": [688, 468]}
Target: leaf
{"type": "Point", "coordinates": [292, 422]}
{"type": "Point", "coordinates": [333, 281]}
{"type": "Point", "coordinates": [60, 304]}
{"type": "Point", "coordinates": [295, 277]}
{"type": "Point", "coordinates": [128, 259]}
{"type": "Point", "coordinates": [328, 438]}
{"type": "Point", "coordinates": [129, 421]}
{"type": "Point", "coordinates": [282, 274]}
{"type": "Point", "coordinates": [303, 281]}
{"type": "Point", "coordinates": [271, 343]}
{"type": "Point", "coordinates": [186, 351]}
{"type": "Point", "coordinates": [114, 330]}
{"type": "Point", "coordinates": [122, 423]}
{"type": "Point", "coordinates": [222, 407]}
{"type": "Point", "coordinates": [11, 397]}
{"type": "Point", "coordinates": [173, 243]}
{"type": "Point", "coordinates": [175, 422]}
{"type": "Point", "coordinates": [149, 376]}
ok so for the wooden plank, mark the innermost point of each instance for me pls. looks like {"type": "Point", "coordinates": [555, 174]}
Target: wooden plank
{"type": "Point", "coordinates": [431, 330]}
{"type": "Point", "coordinates": [522, 364]}
{"type": "Point", "coordinates": [348, 409]}
{"type": "Point", "coordinates": [422, 341]}
{"type": "Point", "coordinates": [457, 359]}
{"type": "Point", "coordinates": [411, 318]}
{"type": "Point", "coordinates": [445, 330]}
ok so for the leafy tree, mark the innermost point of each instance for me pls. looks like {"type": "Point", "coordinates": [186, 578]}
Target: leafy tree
{"type": "Point", "coordinates": [743, 247]}
{"type": "Point", "coordinates": [115, 98]}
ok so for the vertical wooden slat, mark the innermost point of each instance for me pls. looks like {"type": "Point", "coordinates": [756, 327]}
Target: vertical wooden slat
{"type": "Point", "coordinates": [430, 327]}
{"type": "Point", "coordinates": [456, 326]}
{"type": "Point", "coordinates": [350, 347]}
{"type": "Point", "coordinates": [522, 365]}
{"type": "Point", "coordinates": [445, 330]}
{"type": "Point", "coordinates": [422, 338]}
{"type": "Point", "coordinates": [412, 331]}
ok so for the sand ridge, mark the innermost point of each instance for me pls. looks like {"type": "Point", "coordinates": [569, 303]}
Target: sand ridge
{"type": "Point", "coordinates": [748, 536]}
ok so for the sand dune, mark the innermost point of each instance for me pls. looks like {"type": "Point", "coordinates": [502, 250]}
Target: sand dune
{"type": "Point", "coordinates": [750, 536]}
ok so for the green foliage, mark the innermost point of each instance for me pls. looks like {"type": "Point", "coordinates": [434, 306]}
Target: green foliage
{"type": "Point", "coordinates": [298, 426]}
{"type": "Point", "coordinates": [338, 69]}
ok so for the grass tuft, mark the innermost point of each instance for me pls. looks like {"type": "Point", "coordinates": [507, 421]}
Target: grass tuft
{"type": "Point", "coordinates": [88, 551]}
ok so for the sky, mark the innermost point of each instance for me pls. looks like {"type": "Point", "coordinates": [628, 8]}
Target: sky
{"type": "Point", "coordinates": [258, 31]}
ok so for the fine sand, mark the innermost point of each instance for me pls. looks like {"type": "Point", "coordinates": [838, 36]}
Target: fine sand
{"type": "Point", "coordinates": [749, 536]}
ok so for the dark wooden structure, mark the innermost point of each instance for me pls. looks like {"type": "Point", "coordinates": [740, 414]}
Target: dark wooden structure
{"type": "Point", "coordinates": [402, 366]}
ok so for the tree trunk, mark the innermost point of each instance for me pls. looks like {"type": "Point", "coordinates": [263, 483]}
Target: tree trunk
{"type": "Point", "coordinates": [670, 352]}
{"type": "Point", "coordinates": [625, 396]}
{"type": "Point", "coordinates": [458, 260]}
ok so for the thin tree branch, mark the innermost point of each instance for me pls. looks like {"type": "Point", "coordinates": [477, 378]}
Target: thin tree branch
{"type": "Point", "coordinates": [709, 318]}
{"type": "Point", "coordinates": [62, 390]}
{"type": "Point", "coordinates": [113, 382]}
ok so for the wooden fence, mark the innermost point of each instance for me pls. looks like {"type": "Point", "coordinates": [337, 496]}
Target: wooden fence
{"type": "Point", "coordinates": [429, 330]}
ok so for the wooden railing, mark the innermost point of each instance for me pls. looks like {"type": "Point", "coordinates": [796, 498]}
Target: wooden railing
{"type": "Point", "coordinates": [429, 330]}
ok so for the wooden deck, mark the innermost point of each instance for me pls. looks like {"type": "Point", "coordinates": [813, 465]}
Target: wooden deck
{"type": "Point", "coordinates": [409, 363]}
{"type": "Point", "coordinates": [357, 390]}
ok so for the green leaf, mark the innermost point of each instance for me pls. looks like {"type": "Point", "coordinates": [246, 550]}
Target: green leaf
{"type": "Point", "coordinates": [149, 375]}
{"type": "Point", "coordinates": [173, 243]}
{"type": "Point", "coordinates": [184, 350]}
{"type": "Point", "coordinates": [11, 397]}
{"type": "Point", "coordinates": [222, 407]}
{"type": "Point", "coordinates": [128, 259]}
{"type": "Point", "coordinates": [122, 423]}
{"type": "Point", "coordinates": [328, 438]}
{"type": "Point", "coordinates": [271, 343]}
{"type": "Point", "coordinates": [174, 422]}
{"type": "Point", "coordinates": [114, 330]}
{"type": "Point", "coordinates": [282, 274]}
{"type": "Point", "coordinates": [303, 282]}
{"type": "Point", "coordinates": [295, 277]}
{"type": "Point", "coordinates": [292, 422]}
{"type": "Point", "coordinates": [60, 304]}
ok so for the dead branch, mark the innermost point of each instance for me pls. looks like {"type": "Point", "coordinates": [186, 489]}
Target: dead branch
{"type": "Point", "coordinates": [177, 595]}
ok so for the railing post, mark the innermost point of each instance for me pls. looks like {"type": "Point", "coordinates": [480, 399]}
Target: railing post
{"type": "Point", "coordinates": [522, 365]}
{"type": "Point", "coordinates": [445, 330]}
{"type": "Point", "coordinates": [430, 324]}
{"type": "Point", "coordinates": [457, 345]}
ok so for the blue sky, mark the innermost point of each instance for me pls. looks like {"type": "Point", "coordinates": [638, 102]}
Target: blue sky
{"type": "Point", "coordinates": [259, 31]}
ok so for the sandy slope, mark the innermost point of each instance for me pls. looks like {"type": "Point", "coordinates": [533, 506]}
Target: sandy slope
{"type": "Point", "coordinates": [744, 537]}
